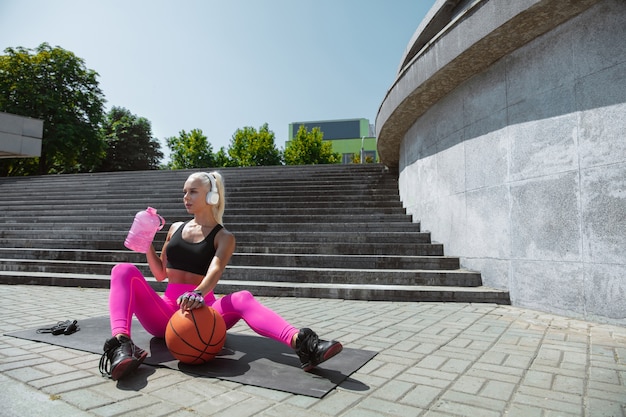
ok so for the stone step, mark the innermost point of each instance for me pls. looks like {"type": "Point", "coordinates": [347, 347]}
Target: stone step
{"type": "Point", "coordinates": [246, 259]}
{"type": "Point", "coordinates": [343, 248]}
{"type": "Point", "coordinates": [301, 217]}
{"type": "Point", "coordinates": [274, 274]}
{"type": "Point", "coordinates": [373, 262]}
{"type": "Point", "coordinates": [232, 177]}
{"type": "Point", "coordinates": [311, 174]}
{"type": "Point", "coordinates": [128, 206]}
{"type": "Point", "coordinates": [310, 231]}
{"type": "Point", "coordinates": [46, 192]}
{"type": "Point", "coordinates": [247, 237]}
{"type": "Point", "coordinates": [72, 212]}
{"type": "Point", "coordinates": [331, 248]}
{"type": "Point", "coordinates": [354, 276]}
{"type": "Point", "coordinates": [372, 292]}
{"type": "Point", "coordinates": [233, 227]}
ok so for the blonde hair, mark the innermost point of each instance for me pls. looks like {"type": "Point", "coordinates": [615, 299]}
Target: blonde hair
{"type": "Point", "coordinates": [218, 209]}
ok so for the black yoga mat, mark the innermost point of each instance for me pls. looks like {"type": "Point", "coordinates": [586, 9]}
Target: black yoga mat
{"type": "Point", "coordinates": [246, 359]}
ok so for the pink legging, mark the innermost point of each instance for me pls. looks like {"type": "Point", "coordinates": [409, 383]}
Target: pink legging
{"type": "Point", "coordinates": [131, 294]}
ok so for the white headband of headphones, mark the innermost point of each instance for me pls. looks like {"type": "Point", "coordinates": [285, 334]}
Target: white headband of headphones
{"type": "Point", "coordinates": [213, 196]}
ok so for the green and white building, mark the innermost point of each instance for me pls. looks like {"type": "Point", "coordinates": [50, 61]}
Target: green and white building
{"type": "Point", "coordinates": [349, 137]}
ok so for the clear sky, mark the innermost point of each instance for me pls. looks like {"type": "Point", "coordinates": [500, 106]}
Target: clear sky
{"type": "Point", "coordinates": [223, 65]}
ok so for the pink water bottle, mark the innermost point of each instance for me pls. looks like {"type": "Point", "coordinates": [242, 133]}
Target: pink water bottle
{"type": "Point", "coordinates": [142, 232]}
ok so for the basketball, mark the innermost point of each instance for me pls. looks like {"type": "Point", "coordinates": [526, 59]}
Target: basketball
{"type": "Point", "coordinates": [195, 336]}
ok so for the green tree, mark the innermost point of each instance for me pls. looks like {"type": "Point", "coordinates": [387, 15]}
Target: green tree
{"type": "Point", "coordinates": [190, 150]}
{"type": "Point", "coordinates": [308, 148]}
{"type": "Point", "coordinates": [222, 159]}
{"type": "Point", "coordinates": [130, 145]}
{"type": "Point", "coordinates": [356, 159]}
{"type": "Point", "coordinates": [249, 147]}
{"type": "Point", "coordinates": [54, 85]}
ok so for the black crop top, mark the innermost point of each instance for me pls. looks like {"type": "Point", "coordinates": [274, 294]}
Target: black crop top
{"type": "Point", "coordinates": [188, 256]}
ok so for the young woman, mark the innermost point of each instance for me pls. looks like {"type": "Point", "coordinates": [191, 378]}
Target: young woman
{"type": "Point", "coordinates": [193, 259]}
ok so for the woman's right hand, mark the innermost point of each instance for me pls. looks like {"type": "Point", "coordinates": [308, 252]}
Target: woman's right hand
{"type": "Point", "coordinates": [190, 300]}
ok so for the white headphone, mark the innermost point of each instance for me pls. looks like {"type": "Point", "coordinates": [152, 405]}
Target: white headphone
{"type": "Point", "coordinates": [212, 196]}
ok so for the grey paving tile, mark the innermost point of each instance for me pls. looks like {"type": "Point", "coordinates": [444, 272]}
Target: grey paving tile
{"type": "Point", "coordinates": [435, 359]}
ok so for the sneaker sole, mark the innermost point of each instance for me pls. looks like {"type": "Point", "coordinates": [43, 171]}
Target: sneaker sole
{"type": "Point", "coordinates": [333, 351]}
{"type": "Point", "coordinates": [125, 368]}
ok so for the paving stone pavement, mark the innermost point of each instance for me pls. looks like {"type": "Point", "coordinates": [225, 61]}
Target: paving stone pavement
{"type": "Point", "coordinates": [435, 359]}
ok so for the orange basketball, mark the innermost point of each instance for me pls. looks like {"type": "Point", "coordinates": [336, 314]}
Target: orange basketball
{"type": "Point", "coordinates": [195, 336]}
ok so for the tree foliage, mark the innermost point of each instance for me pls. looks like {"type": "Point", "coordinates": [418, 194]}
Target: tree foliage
{"type": "Point", "coordinates": [54, 85]}
{"type": "Point", "coordinates": [130, 145]}
{"type": "Point", "coordinates": [222, 159]}
{"type": "Point", "coordinates": [308, 148]}
{"type": "Point", "coordinates": [249, 147]}
{"type": "Point", "coordinates": [190, 150]}
{"type": "Point", "coordinates": [356, 159]}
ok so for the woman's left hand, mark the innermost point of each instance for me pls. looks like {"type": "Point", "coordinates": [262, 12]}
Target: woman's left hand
{"type": "Point", "coordinates": [190, 300]}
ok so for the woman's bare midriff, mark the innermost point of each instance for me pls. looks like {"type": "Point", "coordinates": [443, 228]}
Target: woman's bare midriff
{"type": "Point", "coordinates": [177, 276]}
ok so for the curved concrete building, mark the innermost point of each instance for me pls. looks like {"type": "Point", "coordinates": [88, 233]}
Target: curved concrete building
{"type": "Point", "coordinates": [507, 125]}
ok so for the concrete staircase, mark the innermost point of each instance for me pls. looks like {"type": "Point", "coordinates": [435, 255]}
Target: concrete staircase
{"type": "Point", "coordinates": [325, 231]}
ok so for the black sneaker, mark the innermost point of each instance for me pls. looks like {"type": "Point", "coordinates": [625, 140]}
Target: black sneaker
{"type": "Point", "coordinates": [120, 358]}
{"type": "Point", "coordinates": [312, 350]}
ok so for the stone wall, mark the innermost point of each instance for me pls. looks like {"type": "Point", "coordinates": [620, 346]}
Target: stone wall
{"type": "Point", "coordinates": [520, 168]}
